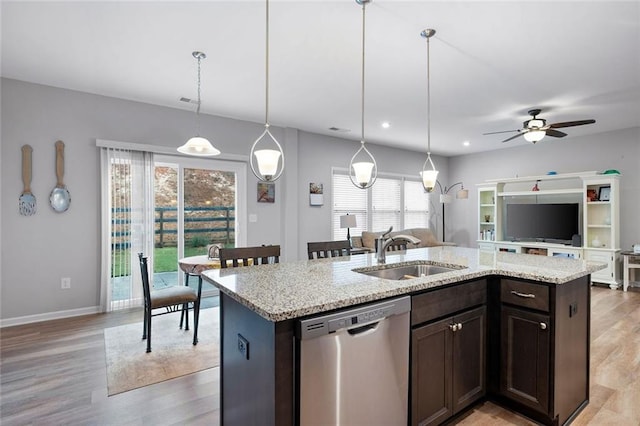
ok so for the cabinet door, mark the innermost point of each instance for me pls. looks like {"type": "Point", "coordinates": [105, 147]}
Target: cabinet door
{"type": "Point", "coordinates": [524, 371]}
{"type": "Point", "coordinates": [469, 350]}
{"type": "Point", "coordinates": [431, 373]}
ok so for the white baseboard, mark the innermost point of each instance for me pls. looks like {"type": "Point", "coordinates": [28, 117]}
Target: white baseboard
{"type": "Point", "coordinates": [28, 319]}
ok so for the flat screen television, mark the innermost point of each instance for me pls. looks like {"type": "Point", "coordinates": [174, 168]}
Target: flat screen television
{"type": "Point", "coordinates": [553, 223]}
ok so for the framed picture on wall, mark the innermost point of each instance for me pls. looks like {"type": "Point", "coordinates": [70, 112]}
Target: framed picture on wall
{"type": "Point", "coordinates": [604, 193]}
{"type": "Point", "coordinates": [266, 192]}
{"type": "Point", "coordinates": [316, 196]}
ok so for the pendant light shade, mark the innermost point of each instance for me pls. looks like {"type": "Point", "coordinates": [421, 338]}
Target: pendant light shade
{"type": "Point", "coordinates": [363, 169]}
{"type": "Point", "coordinates": [266, 157]}
{"type": "Point", "coordinates": [198, 145]}
{"type": "Point", "coordinates": [429, 173]}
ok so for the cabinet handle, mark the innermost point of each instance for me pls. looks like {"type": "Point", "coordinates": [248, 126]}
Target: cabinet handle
{"type": "Point", "coordinates": [459, 326]}
{"type": "Point", "coordinates": [543, 326]}
{"type": "Point", "coordinates": [525, 295]}
{"type": "Point", "coordinates": [453, 327]}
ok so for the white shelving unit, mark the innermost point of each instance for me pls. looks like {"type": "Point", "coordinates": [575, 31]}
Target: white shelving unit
{"type": "Point", "coordinates": [487, 215]}
{"type": "Point", "coordinates": [600, 218]}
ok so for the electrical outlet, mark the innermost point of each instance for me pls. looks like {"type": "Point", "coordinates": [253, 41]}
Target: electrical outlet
{"type": "Point", "coordinates": [65, 283]}
{"type": "Point", "coordinates": [243, 346]}
{"type": "Point", "coordinates": [573, 309]}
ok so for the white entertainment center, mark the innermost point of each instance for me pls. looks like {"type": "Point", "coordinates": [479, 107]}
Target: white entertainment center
{"type": "Point", "coordinates": [599, 200]}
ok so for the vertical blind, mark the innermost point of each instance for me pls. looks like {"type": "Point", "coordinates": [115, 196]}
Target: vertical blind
{"type": "Point", "coordinates": [127, 224]}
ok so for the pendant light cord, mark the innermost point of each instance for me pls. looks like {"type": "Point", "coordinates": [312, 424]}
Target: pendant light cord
{"type": "Point", "coordinates": [364, 4]}
{"type": "Point", "coordinates": [266, 82]}
{"type": "Point", "coordinates": [198, 106]}
{"type": "Point", "coordinates": [428, 102]}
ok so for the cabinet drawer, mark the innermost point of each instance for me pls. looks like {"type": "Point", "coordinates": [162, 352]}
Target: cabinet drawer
{"type": "Point", "coordinates": [438, 303]}
{"type": "Point", "coordinates": [528, 295]}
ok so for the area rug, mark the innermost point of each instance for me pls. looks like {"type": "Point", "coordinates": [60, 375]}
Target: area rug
{"type": "Point", "coordinates": [172, 351]}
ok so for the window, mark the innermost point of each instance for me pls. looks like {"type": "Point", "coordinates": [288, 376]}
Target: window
{"type": "Point", "coordinates": [348, 199]}
{"type": "Point", "coordinates": [398, 201]}
{"type": "Point", "coordinates": [385, 204]}
{"type": "Point", "coordinates": [416, 205]}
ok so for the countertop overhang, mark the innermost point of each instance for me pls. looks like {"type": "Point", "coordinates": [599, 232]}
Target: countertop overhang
{"type": "Point", "coordinates": [291, 290]}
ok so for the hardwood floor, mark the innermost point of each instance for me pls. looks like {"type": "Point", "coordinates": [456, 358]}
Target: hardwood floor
{"type": "Point", "coordinates": [54, 372]}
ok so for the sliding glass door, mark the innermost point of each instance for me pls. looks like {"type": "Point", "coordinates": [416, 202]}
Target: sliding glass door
{"type": "Point", "coordinates": [166, 207]}
{"type": "Point", "coordinates": [197, 202]}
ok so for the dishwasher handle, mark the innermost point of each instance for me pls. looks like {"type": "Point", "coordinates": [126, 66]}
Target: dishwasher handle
{"type": "Point", "coordinates": [363, 329]}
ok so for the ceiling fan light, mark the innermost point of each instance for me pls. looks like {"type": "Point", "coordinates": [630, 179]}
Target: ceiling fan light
{"type": "Point", "coordinates": [535, 123]}
{"type": "Point", "coordinates": [198, 146]}
{"type": "Point", "coordinates": [534, 135]}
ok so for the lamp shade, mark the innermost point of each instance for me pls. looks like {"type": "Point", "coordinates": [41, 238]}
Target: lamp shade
{"type": "Point", "coordinates": [463, 194]}
{"type": "Point", "coordinates": [363, 172]}
{"type": "Point", "coordinates": [348, 221]}
{"type": "Point", "coordinates": [267, 162]}
{"type": "Point", "coordinates": [429, 178]}
{"type": "Point", "coordinates": [198, 146]}
{"type": "Point", "coordinates": [534, 135]}
{"type": "Point", "coordinates": [446, 198]}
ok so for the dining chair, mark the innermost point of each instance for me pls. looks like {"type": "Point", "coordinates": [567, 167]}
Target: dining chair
{"type": "Point", "coordinates": [245, 256]}
{"type": "Point", "coordinates": [325, 249]}
{"type": "Point", "coordinates": [171, 299]}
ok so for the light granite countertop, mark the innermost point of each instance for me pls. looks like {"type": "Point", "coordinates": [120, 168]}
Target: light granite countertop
{"type": "Point", "coordinates": [290, 290]}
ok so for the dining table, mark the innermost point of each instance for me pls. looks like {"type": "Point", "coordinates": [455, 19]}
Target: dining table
{"type": "Point", "coordinates": [193, 266]}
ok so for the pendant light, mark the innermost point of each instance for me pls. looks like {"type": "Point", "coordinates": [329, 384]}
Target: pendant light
{"type": "Point", "coordinates": [363, 169]}
{"type": "Point", "coordinates": [198, 145]}
{"type": "Point", "coordinates": [267, 159]}
{"type": "Point", "coordinates": [429, 176]}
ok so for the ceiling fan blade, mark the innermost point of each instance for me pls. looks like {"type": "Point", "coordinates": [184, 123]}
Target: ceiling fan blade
{"type": "Point", "coordinates": [513, 137]}
{"type": "Point", "coordinates": [571, 123]}
{"type": "Point", "coordinates": [503, 131]}
{"type": "Point", "coordinates": [555, 133]}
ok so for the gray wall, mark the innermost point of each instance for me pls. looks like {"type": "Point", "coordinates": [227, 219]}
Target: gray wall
{"type": "Point", "coordinates": [618, 150]}
{"type": "Point", "coordinates": [38, 250]}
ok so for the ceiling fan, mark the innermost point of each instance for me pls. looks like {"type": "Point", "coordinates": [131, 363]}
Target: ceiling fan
{"type": "Point", "coordinates": [536, 128]}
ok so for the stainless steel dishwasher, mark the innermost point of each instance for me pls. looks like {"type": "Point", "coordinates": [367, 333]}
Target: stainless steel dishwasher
{"type": "Point", "coordinates": [354, 366]}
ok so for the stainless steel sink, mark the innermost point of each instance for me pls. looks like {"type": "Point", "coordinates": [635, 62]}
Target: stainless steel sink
{"type": "Point", "coordinates": [406, 272]}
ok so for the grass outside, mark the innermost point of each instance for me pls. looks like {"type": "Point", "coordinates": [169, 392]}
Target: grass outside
{"type": "Point", "coordinates": [165, 259]}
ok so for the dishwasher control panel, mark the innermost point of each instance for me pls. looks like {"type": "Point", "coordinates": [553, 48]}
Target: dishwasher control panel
{"type": "Point", "coordinates": [352, 317]}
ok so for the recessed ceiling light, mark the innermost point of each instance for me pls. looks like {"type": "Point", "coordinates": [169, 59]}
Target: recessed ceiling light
{"type": "Point", "coordinates": [466, 143]}
{"type": "Point", "coordinates": [386, 124]}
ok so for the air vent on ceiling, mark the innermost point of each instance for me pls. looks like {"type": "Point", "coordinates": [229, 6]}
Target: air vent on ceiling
{"type": "Point", "coordinates": [338, 129]}
{"type": "Point", "coordinates": [188, 100]}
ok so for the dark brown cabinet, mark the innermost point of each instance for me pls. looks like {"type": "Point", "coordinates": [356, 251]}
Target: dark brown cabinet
{"type": "Point", "coordinates": [448, 355]}
{"type": "Point", "coordinates": [544, 348]}
{"type": "Point", "coordinates": [525, 358]}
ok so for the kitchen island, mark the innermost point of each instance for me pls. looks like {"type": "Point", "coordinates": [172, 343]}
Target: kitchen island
{"type": "Point", "coordinates": [520, 294]}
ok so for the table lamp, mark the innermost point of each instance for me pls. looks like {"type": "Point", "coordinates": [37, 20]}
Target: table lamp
{"type": "Point", "coordinates": [348, 221]}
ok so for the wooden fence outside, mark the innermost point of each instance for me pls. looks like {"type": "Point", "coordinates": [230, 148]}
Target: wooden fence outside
{"type": "Point", "coordinates": [214, 224]}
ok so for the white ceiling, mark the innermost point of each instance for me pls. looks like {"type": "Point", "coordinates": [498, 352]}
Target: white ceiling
{"type": "Point", "coordinates": [490, 62]}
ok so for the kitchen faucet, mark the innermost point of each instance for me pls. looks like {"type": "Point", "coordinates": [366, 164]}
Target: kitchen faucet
{"type": "Point", "coordinates": [383, 243]}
